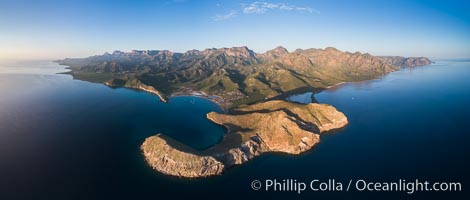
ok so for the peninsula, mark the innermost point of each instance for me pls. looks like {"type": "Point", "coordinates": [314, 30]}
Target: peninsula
{"type": "Point", "coordinates": [249, 86]}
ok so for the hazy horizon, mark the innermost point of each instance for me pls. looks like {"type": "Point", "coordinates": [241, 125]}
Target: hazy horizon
{"type": "Point", "coordinates": [50, 30]}
{"type": "Point", "coordinates": [13, 60]}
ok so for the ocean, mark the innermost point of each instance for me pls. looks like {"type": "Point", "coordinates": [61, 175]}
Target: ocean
{"type": "Point", "coordinates": [62, 138]}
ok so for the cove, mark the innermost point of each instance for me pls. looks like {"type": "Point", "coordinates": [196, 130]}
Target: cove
{"type": "Point", "coordinates": [183, 118]}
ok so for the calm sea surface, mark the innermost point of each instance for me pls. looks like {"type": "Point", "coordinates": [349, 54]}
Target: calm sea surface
{"type": "Point", "coordinates": [68, 139]}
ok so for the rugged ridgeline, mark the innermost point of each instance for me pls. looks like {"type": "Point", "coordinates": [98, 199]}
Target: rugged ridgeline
{"type": "Point", "coordinates": [272, 126]}
{"type": "Point", "coordinates": [232, 76]}
{"type": "Point", "coordinates": [245, 83]}
{"type": "Point", "coordinates": [405, 62]}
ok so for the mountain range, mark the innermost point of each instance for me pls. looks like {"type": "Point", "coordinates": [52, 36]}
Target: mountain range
{"type": "Point", "coordinates": [234, 76]}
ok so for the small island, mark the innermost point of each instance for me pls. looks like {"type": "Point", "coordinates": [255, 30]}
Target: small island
{"type": "Point", "coordinates": [249, 86]}
{"type": "Point", "coordinates": [272, 126]}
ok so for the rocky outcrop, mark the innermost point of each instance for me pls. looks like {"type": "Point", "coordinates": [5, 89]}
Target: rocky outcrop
{"type": "Point", "coordinates": [405, 62]}
{"type": "Point", "coordinates": [163, 155]}
{"type": "Point", "coordinates": [273, 126]}
{"type": "Point", "coordinates": [258, 133]}
{"type": "Point", "coordinates": [136, 84]}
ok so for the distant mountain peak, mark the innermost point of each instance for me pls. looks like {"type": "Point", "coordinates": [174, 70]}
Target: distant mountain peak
{"type": "Point", "coordinates": [331, 49]}
{"type": "Point", "coordinates": [117, 52]}
{"type": "Point", "coordinates": [280, 49]}
{"type": "Point", "coordinates": [242, 52]}
{"type": "Point", "coordinates": [277, 52]}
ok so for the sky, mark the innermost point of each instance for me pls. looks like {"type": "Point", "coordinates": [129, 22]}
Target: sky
{"type": "Point", "coordinates": [55, 29]}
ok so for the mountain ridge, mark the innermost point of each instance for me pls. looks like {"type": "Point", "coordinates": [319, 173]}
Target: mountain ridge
{"type": "Point", "coordinates": [237, 75]}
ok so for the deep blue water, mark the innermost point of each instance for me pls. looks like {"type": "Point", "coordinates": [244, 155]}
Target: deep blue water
{"type": "Point", "coordinates": [68, 139]}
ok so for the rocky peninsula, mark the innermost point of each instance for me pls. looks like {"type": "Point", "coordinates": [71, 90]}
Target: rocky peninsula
{"type": "Point", "coordinates": [272, 126]}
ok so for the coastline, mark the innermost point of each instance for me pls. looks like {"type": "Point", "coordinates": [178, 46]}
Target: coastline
{"type": "Point", "coordinates": [156, 92]}
{"type": "Point", "coordinates": [338, 84]}
{"type": "Point", "coordinates": [295, 129]}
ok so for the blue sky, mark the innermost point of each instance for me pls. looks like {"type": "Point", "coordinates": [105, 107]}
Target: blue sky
{"type": "Point", "coordinates": [56, 29]}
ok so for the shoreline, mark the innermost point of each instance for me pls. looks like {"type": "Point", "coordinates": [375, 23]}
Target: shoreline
{"type": "Point", "coordinates": [338, 84]}
{"type": "Point", "coordinates": [170, 157]}
{"type": "Point", "coordinates": [155, 92]}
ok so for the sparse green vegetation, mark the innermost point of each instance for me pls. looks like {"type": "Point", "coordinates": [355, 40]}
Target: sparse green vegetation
{"type": "Point", "coordinates": [236, 76]}
{"type": "Point", "coordinates": [244, 82]}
